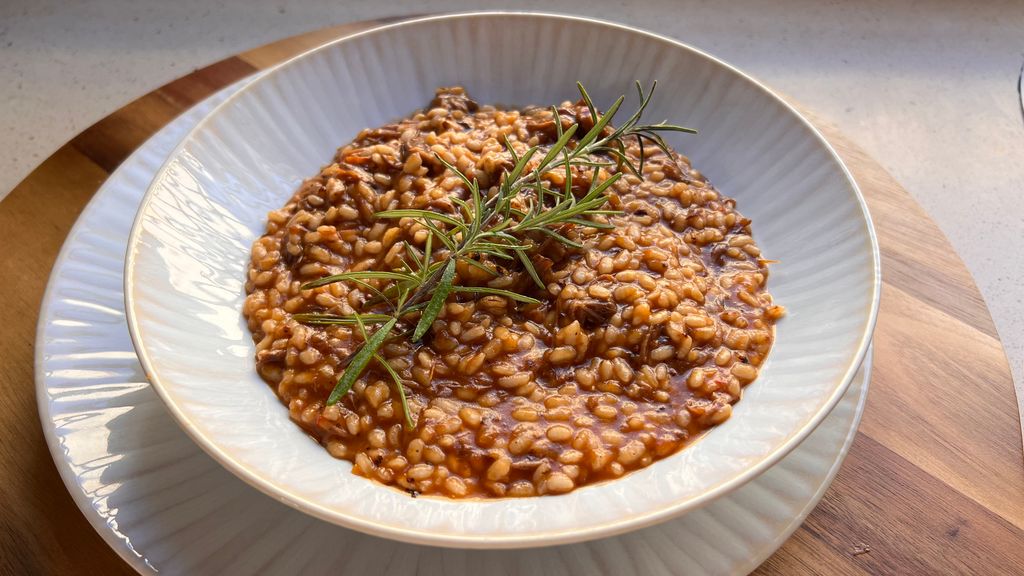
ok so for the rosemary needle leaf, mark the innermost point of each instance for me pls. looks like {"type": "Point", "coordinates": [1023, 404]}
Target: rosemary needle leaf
{"type": "Point", "coordinates": [665, 127]}
{"type": "Point", "coordinates": [363, 275]}
{"type": "Point", "coordinates": [359, 361]}
{"type": "Point", "coordinates": [327, 319]}
{"type": "Point", "coordinates": [560, 238]}
{"type": "Point", "coordinates": [557, 147]}
{"type": "Point", "coordinates": [497, 292]}
{"type": "Point", "coordinates": [362, 326]}
{"type": "Point", "coordinates": [479, 266]}
{"type": "Point", "coordinates": [590, 223]}
{"type": "Point", "coordinates": [511, 149]}
{"type": "Point", "coordinates": [435, 231]}
{"type": "Point", "coordinates": [568, 176]}
{"type": "Point", "coordinates": [587, 101]}
{"type": "Point", "coordinates": [640, 143]}
{"type": "Point", "coordinates": [413, 213]}
{"type": "Point", "coordinates": [528, 265]}
{"type": "Point", "coordinates": [600, 188]}
{"type": "Point", "coordinates": [426, 254]}
{"type": "Point", "coordinates": [600, 124]}
{"type": "Point", "coordinates": [462, 204]}
{"type": "Point", "coordinates": [436, 302]}
{"type": "Point", "coordinates": [455, 171]}
{"type": "Point", "coordinates": [401, 389]}
{"type": "Point", "coordinates": [517, 170]}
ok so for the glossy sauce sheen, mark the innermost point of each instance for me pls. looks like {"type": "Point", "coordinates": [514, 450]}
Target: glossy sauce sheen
{"type": "Point", "coordinates": [644, 338]}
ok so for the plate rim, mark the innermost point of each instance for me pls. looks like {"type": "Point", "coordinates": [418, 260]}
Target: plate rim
{"type": "Point", "coordinates": [43, 403]}
{"type": "Point", "coordinates": [463, 540]}
{"type": "Point", "coordinates": [124, 548]}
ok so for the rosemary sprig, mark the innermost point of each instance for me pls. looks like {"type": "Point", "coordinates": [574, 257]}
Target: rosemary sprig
{"type": "Point", "coordinates": [499, 225]}
{"type": "Point", "coordinates": [361, 358]}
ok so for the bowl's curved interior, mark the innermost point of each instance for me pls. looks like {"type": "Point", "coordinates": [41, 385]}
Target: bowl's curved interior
{"type": "Point", "coordinates": [190, 247]}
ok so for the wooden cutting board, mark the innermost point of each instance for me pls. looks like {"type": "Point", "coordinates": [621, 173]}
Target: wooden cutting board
{"type": "Point", "coordinates": [933, 484]}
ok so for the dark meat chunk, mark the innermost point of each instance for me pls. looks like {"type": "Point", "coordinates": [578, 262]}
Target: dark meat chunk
{"type": "Point", "coordinates": [592, 313]}
{"type": "Point", "coordinates": [271, 356]}
{"type": "Point", "coordinates": [454, 98]}
{"type": "Point", "coordinates": [543, 124]}
{"type": "Point", "coordinates": [347, 172]}
{"type": "Point", "coordinates": [378, 135]}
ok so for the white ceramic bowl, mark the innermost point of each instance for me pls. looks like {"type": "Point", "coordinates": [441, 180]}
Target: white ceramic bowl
{"type": "Point", "coordinates": [189, 249]}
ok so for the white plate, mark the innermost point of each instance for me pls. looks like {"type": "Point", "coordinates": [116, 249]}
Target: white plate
{"type": "Point", "coordinates": [188, 254]}
{"type": "Point", "coordinates": [164, 505]}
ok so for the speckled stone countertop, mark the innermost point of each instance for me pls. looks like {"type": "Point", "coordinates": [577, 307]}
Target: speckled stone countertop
{"type": "Point", "coordinates": [929, 89]}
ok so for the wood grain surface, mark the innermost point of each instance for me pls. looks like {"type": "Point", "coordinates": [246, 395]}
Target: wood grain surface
{"type": "Point", "coordinates": [934, 482]}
